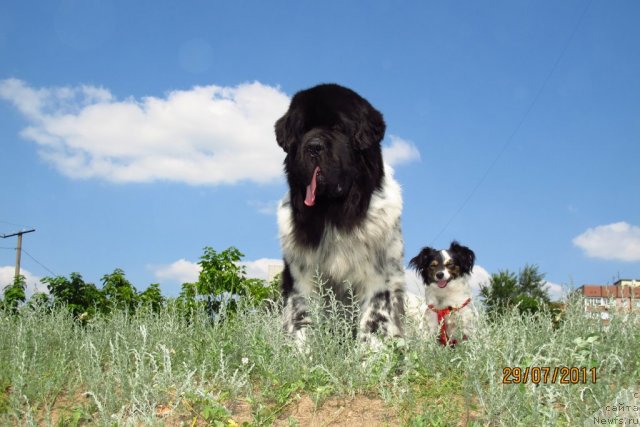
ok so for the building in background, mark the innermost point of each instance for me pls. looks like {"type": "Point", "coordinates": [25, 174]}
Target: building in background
{"type": "Point", "coordinates": [600, 302]}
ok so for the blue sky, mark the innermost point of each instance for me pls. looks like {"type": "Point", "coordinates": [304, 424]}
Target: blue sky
{"type": "Point", "coordinates": [133, 134]}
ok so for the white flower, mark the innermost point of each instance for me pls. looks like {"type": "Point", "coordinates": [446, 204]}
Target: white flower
{"type": "Point", "coordinates": [245, 360]}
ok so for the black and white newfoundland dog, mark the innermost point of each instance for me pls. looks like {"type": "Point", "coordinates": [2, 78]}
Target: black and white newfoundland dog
{"type": "Point", "coordinates": [341, 216]}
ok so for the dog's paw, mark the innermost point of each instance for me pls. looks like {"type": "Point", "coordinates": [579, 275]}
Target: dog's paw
{"type": "Point", "coordinates": [300, 341]}
{"type": "Point", "coordinates": [372, 343]}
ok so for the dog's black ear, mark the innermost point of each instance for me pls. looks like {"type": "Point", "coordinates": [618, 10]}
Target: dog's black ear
{"type": "Point", "coordinates": [369, 126]}
{"type": "Point", "coordinates": [463, 256]}
{"type": "Point", "coordinates": [421, 262]}
{"type": "Point", "coordinates": [288, 128]}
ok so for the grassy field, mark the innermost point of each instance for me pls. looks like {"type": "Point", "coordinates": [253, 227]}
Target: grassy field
{"type": "Point", "coordinates": [160, 369]}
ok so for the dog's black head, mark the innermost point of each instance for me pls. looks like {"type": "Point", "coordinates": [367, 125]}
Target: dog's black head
{"type": "Point", "coordinates": [334, 161]}
{"type": "Point", "coordinates": [440, 267]}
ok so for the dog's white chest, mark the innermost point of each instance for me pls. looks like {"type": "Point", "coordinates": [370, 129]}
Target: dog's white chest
{"type": "Point", "coordinates": [343, 256]}
{"type": "Point", "coordinates": [359, 255]}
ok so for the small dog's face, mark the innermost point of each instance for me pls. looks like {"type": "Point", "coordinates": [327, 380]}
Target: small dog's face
{"type": "Point", "coordinates": [441, 267]}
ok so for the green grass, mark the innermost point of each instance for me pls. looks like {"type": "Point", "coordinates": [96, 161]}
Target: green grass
{"type": "Point", "coordinates": [157, 368]}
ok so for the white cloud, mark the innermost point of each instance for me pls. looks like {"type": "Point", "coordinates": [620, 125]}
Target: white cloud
{"type": "Point", "coordinates": [263, 268]}
{"type": "Point", "coordinates": [414, 282]}
{"type": "Point", "coordinates": [184, 271]}
{"type": "Point", "coordinates": [479, 276]}
{"type": "Point", "coordinates": [400, 151]}
{"type": "Point", "coordinates": [555, 291]}
{"type": "Point", "coordinates": [205, 135]}
{"type": "Point", "coordinates": [7, 273]}
{"type": "Point", "coordinates": [619, 241]}
{"type": "Point", "coordinates": [181, 271]}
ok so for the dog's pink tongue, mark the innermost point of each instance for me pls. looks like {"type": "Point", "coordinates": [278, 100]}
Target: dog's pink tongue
{"type": "Point", "coordinates": [442, 283]}
{"type": "Point", "coordinates": [310, 198]}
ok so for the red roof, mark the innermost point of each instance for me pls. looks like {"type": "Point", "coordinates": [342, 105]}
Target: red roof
{"type": "Point", "coordinates": [609, 291]}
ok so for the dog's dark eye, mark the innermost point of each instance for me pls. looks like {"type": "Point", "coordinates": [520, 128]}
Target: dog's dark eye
{"type": "Point", "coordinates": [434, 264]}
{"type": "Point", "coordinates": [449, 264]}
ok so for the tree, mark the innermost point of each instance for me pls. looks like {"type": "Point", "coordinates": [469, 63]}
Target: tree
{"type": "Point", "coordinates": [531, 283]}
{"type": "Point", "coordinates": [14, 294]}
{"type": "Point", "coordinates": [152, 297]}
{"type": "Point", "coordinates": [120, 293]}
{"type": "Point", "coordinates": [187, 301]}
{"type": "Point", "coordinates": [39, 299]}
{"type": "Point", "coordinates": [80, 297]}
{"type": "Point", "coordinates": [258, 290]}
{"type": "Point", "coordinates": [526, 291]}
{"type": "Point", "coordinates": [501, 291]}
{"type": "Point", "coordinates": [222, 281]}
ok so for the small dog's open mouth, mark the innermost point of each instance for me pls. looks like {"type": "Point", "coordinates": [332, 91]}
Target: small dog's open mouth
{"type": "Point", "coordinates": [310, 198]}
{"type": "Point", "coordinates": [442, 283]}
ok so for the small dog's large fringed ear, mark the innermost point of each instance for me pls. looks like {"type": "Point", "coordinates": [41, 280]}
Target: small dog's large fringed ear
{"type": "Point", "coordinates": [421, 262]}
{"type": "Point", "coordinates": [416, 262]}
{"type": "Point", "coordinates": [370, 127]}
{"type": "Point", "coordinates": [463, 256]}
{"type": "Point", "coordinates": [287, 129]}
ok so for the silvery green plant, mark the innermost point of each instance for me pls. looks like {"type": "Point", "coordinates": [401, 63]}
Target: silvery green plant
{"type": "Point", "coordinates": [157, 368]}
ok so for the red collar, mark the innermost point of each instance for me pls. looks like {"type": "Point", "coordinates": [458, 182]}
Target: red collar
{"type": "Point", "coordinates": [442, 335]}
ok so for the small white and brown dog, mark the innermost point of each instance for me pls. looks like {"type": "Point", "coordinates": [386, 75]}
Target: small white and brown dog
{"type": "Point", "coordinates": [445, 274]}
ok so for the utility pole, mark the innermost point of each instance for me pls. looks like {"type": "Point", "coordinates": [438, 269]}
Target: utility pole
{"type": "Point", "coordinates": [19, 247]}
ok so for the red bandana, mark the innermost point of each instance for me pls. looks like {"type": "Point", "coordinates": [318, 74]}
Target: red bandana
{"type": "Point", "coordinates": [443, 337]}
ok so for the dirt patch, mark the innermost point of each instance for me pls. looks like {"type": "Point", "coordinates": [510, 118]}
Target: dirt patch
{"type": "Point", "coordinates": [66, 409]}
{"type": "Point", "coordinates": [334, 412]}
{"type": "Point", "coordinates": [359, 410]}
{"type": "Point", "coordinates": [241, 412]}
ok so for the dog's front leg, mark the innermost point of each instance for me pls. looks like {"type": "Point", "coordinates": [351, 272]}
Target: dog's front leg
{"type": "Point", "coordinates": [395, 282]}
{"type": "Point", "coordinates": [376, 319]}
{"type": "Point", "coordinates": [296, 318]}
{"type": "Point", "coordinates": [295, 313]}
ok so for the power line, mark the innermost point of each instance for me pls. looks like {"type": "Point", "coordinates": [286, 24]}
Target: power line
{"type": "Point", "coordinates": [19, 234]}
{"type": "Point", "coordinates": [518, 125]}
{"type": "Point", "coordinates": [19, 247]}
{"type": "Point", "coordinates": [38, 262]}
{"type": "Point", "coordinates": [30, 256]}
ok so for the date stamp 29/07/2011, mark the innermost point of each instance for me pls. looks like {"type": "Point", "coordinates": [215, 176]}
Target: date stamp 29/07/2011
{"type": "Point", "coordinates": [549, 375]}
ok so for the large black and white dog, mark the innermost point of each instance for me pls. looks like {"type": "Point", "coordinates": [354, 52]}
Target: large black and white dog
{"type": "Point", "coordinates": [341, 216]}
